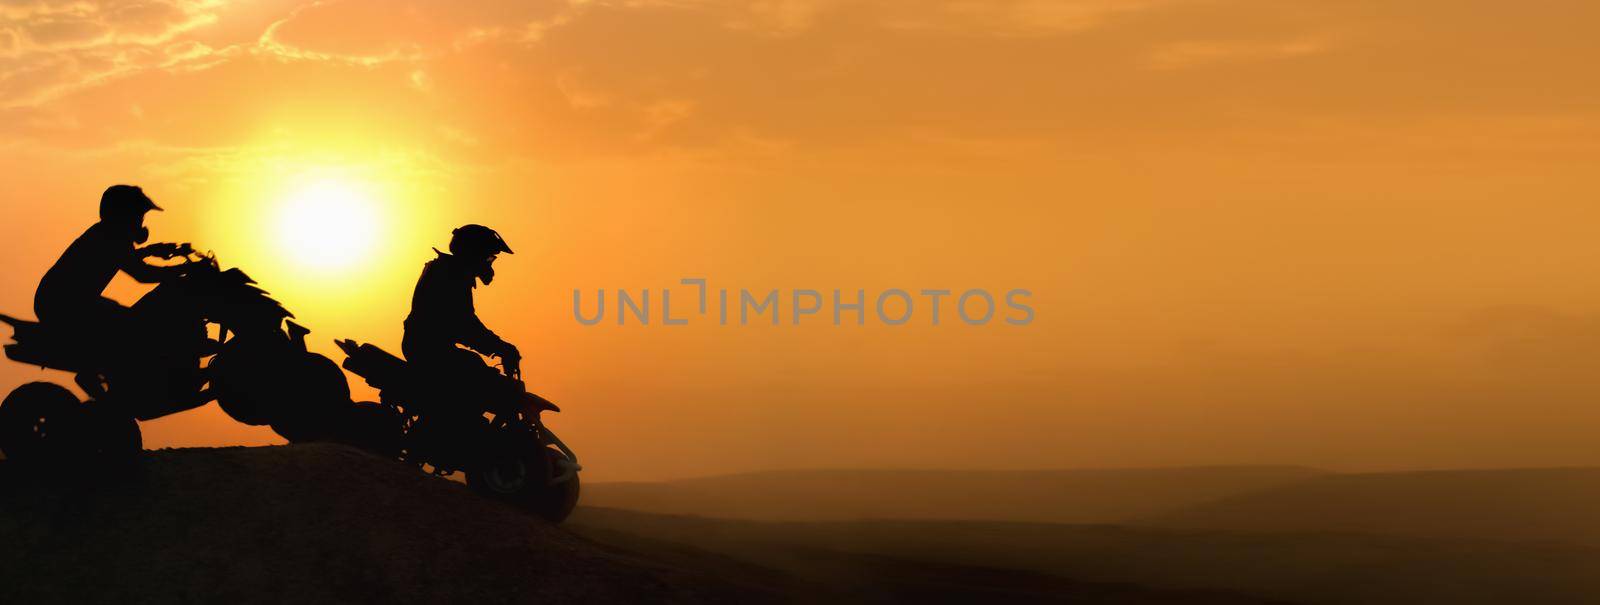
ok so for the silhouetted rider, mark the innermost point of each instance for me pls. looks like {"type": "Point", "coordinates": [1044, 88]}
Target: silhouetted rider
{"type": "Point", "coordinates": [442, 314]}
{"type": "Point", "coordinates": [70, 294]}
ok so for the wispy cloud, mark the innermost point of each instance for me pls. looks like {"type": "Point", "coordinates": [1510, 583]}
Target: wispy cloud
{"type": "Point", "coordinates": [50, 48]}
{"type": "Point", "coordinates": [1193, 53]}
{"type": "Point", "coordinates": [405, 30]}
{"type": "Point", "coordinates": [55, 26]}
{"type": "Point", "coordinates": [1016, 17]}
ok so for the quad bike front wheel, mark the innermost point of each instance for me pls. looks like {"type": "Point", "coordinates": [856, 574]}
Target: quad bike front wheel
{"type": "Point", "coordinates": [534, 478]}
{"type": "Point", "coordinates": [376, 427]}
{"type": "Point", "coordinates": [310, 398]}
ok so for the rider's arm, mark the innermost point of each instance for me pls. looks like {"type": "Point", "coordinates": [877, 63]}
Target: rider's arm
{"type": "Point", "coordinates": [147, 273]}
{"type": "Point", "coordinates": [480, 338]}
{"type": "Point", "coordinates": [471, 331]}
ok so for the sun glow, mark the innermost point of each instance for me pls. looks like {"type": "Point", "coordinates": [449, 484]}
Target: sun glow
{"type": "Point", "coordinates": [336, 234]}
{"type": "Point", "coordinates": [328, 225]}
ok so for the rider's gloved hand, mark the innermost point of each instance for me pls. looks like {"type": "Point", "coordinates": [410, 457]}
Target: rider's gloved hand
{"type": "Point", "coordinates": [511, 359]}
{"type": "Point", "coordinates": [509, 351]}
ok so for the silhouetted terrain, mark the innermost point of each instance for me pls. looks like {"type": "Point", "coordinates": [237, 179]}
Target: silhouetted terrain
{"type": "Point", "coordinates": [1062, 496]}
{"type": "Point", "coordinates": [314, 524]}
{"type": "Point", "coordinates": [332, 524]}
{"type": "Point", "coordinates": [1493, 536]}
{"type": "Point", "coordinates": [1561, 504]}
{"type": "Point", "coordinates": [1306, 568]}
{"type": "Point", "coordinates": [302, 524]}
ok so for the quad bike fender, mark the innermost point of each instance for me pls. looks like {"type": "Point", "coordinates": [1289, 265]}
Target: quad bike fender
{"type": "Point", "coordinates": [569, 466]}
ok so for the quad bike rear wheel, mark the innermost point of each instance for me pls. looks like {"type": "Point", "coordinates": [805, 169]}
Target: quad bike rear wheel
{"type": "Point", "coordinates": [33, 419]}
{"type": "Point", "coordinates": [533, 478]}
{"type": "Point", "coordinates": [42, 422]}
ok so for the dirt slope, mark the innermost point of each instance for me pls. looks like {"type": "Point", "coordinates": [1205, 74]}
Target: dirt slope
{"type": "Point", "coordinates": [303, 524]}
{"type": "Point", "coordinates": [327, 524]}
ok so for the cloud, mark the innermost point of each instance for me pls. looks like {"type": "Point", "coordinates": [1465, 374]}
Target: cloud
{"type": "Point", "coordinates": [55, 25]}
{"type": "Point", "coordinates": [965, 17]}
{"type": "Point", "coordinates": [53, 48]}
{"type": "Point", "coordinates": [1016, 17]}
{"type": "Point", "coordinates": [401, 30]}
{"type": "Point", "coordinates": [1179, 55]}
{"type": "Point", "coordinates": [49, 48]}
{"type": "Point", "coordinates": [570, 78]}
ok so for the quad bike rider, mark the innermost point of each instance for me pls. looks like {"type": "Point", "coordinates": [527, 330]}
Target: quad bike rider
{"type": "Point", "coordinates": [71, 293]}
{"type": "Point", "coordinates": [443, 391]}
{"type": "Point", "coordinates": [145, 361]}
{"type": "Point", "coordinates": [443, 318]}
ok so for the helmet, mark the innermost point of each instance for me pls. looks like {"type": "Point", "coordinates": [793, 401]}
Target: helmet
{"type": "Point", "coordinates": [125, 202]}
{"type": "Point", "coordinates": [477, 241]}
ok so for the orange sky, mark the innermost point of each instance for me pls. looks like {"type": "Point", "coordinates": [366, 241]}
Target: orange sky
{"type": "Point", "coordinates": [1353, 235]}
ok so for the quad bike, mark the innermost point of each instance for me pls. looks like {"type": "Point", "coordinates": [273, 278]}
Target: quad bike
{"type": "Point", "coordinates": [259, 372]}
{"type": "Point", "coordinates": [493, 434]}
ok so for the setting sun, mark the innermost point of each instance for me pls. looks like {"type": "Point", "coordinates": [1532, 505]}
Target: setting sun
{"type": "Point", "coordinates": [328, 224]}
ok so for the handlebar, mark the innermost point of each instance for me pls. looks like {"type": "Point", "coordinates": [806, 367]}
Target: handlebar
{"type": "Point", "coordinates": [195, 257]}
{"type": "Point", "coordinates": [169, 251]}
{"type": "Point", "coordinates": [191, 258]}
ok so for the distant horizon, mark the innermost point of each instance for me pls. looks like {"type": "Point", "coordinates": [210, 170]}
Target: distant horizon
{"type": "Point", "coordinates": [1045, 470]}
{"type": "Point", "coordinates": [1317, 470]}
